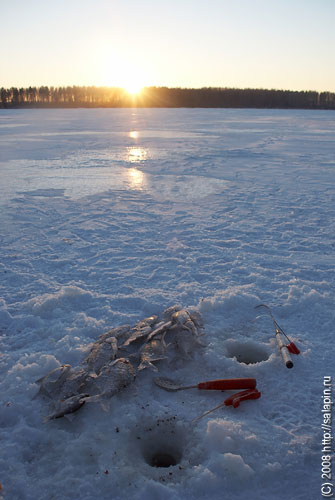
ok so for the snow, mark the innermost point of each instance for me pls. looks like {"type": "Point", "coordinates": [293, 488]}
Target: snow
{"type": "Point", "coordinates": [108, 216]}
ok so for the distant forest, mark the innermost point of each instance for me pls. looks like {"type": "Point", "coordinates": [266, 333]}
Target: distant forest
{"type": "Point", "coordinates": [162, 97]}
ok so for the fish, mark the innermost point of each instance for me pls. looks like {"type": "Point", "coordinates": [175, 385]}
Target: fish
{"type": "Point", "coordinates": [141, 330]}
{"type": "Point", "coordinates": [161, 327]}
{"type": "Point", "coordinates": [183, 319]}
{"type": "Point", "coordinates": [198, 322]}
{"type": "Point", "coordinates": [66, 407]}
{"type": "Point", "coordinates": [101, 353]}
{"type": "Point", "coordinates": [78, 381]}
{"type": "Point", "coordinates": [188, 330]}
{"type": "Point", "coordinates": [178, 318]}
{"type": "Point", "coordinates": [114, 377]}
{"type": "Point", "coordinates": [170, 311]}
{"type": "Point", "coordinates": [119, 332]}
{"type": "Point", "coordinates": [155, 350]}
{"type": "Point", "coordinates": [52, 382]}
{"type": "Point", "coordinates": [151, 320]}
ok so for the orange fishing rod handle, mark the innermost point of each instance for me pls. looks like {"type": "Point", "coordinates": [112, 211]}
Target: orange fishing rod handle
{"type": "Point", "coordinates": [228, 384]}
{"type": "Point", "coordinates": [235, 399]}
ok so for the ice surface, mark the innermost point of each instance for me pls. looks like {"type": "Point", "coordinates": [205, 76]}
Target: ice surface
{"type": "Point", "coordinates": [108, 216]}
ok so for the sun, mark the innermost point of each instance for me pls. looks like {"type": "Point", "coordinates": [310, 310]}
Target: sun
{"type": "Point", "coordinates": [124, 70]}
{"type": "Point", "coordinates": [133, 88]}
{"type": "Point", "coordinates": [121, 70]}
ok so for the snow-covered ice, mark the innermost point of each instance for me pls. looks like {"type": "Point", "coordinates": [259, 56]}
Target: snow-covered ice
{"type": "Point", "coordinates": [108, 216]}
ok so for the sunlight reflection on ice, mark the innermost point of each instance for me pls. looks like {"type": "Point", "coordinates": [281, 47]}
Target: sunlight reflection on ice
{"type": "Point", "coordinates": [136, 179]}
{"type": "Point", "coordinates": [136, 155]}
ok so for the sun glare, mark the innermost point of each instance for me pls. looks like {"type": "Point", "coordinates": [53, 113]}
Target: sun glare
{"type": "Point", "coordinates": [123, 72]}
{"type": "Point", "coordinates": [133, 88]}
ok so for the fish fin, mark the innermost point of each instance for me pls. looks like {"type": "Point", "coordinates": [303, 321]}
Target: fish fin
{"type": "Point", "coordinates": [47, 419]}
{"type": "Point", "coordinates": [98, 398]}
{"type": "Point", "coordinates": [41, 392]}
{"type": "Point", "coordinates": [70, 416]}
{"type": "Point", "coordinates": [36, 395]}
{"type": "Point", "coordinates": [147, 364]}
{"type": "Point", "coordinates": [163, 339]}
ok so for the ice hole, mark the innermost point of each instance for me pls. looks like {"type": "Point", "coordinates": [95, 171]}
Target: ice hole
{"type": "Point", "coordinates": [163, 460]}
{"type": "Point", "coordinates": [246, 352]}
{"type": "Point", "coordinates": [163, 448]}
{"type": "Point", "coordinates": [162, 443]}
{"type": "Point", "coordinates": [159, 451]}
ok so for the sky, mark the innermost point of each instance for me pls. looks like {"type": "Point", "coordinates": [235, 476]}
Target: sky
{"type": "Point", "coordinates": [286, 44]}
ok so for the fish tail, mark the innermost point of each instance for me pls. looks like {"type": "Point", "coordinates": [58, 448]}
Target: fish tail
{"type": "Point", "coordinates": [47, 419]}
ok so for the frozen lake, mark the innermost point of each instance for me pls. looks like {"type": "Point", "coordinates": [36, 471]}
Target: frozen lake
{"type": "Point", "coordinates": [110, 215]}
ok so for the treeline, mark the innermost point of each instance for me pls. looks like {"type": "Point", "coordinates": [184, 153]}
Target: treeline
{"type": "Point", "coordinates": [163, 97]}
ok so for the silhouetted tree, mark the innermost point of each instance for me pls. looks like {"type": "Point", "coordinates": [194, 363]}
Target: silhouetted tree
{"type": "Point", "coordinates": [22, 95]}
{"type": "Point", "coordinates": [4, 97]}
{"type": "Point", "coordinates": [210, 97]}
{"type": "Point", "coordinates": [14, 96]}
{"type": "Point", "coordinates": [43, 94]}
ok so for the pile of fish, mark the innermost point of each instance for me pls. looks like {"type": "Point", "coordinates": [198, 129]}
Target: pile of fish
{"type": "Point", "coordinates": [116, 357]}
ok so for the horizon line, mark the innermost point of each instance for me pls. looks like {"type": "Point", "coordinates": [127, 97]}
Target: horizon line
{"type": "Point", "coordinates": [216, 87]}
